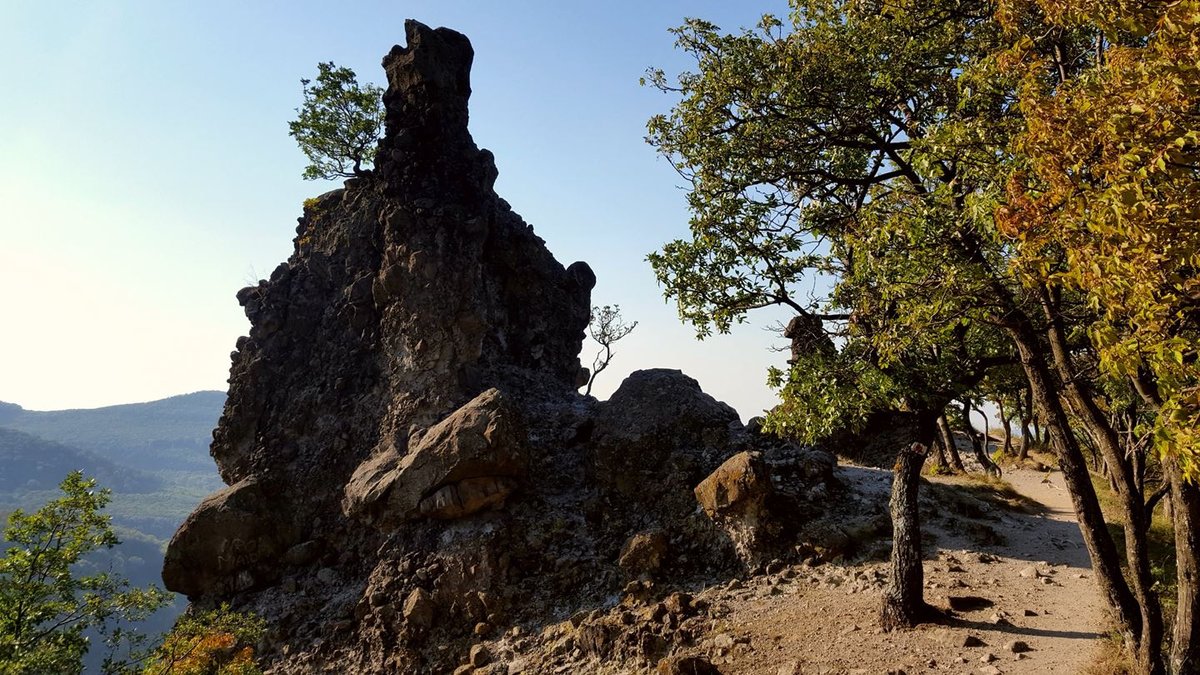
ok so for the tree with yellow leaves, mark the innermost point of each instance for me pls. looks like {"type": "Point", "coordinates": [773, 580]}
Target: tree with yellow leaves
{"type": "Point", "coordinates": [1107, 204]}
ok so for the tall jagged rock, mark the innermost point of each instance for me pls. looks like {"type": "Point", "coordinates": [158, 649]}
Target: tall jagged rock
{"type": "Point", "coordinates": [406, 452]}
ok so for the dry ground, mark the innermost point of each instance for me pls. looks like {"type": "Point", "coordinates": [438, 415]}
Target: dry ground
{"type": "Point", "coordinates": [1010, 571]}
{"type": "Point", "coordinates": [1035, 587]}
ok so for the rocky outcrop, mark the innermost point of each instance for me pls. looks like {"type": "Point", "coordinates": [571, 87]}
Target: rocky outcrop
{"type": "Point", "coordinates": [411, 466]}
{"type": "Point", "coordinates": [659, 417]}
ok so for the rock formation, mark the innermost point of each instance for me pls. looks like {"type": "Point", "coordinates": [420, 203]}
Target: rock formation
{"type": "Point", "coordinates": [409, 463]}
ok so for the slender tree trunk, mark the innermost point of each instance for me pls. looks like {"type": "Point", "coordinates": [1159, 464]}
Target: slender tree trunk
{"type": "Point", "coordinates": [939, 457]}
{"type": "Point", "coordinates": [947, 437]}
{"type": "Point", "coordinates": [1006, 425]}
{"type": "Point", "coordinates": [1185, 641]}
{"type": "Point", "coordinates": [903, 599]}
{"type": "Point", "coordinates": [1103, 551]}
{"type": "Point", "coordinates": [1026, 413]}
{"type": "Point", "coordinates": [985, 462]}
{"type": "Point", "coordinates": [1125, 484]}
{"type": "Point", "coordinates": [987, 431]}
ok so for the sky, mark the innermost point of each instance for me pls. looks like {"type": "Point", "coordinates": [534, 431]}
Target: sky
{"type": "Point", "coordinates": [146, 175]}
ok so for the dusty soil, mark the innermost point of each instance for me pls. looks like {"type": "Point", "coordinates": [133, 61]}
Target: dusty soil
{"type": "Point", "coordinates": [1035, 587]}
{"type": "Point", "coordinates": [1010, 572]}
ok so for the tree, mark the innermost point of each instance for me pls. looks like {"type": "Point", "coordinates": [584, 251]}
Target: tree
{"type": "Point", "coordinates": [214, 642]}
{"type": "Point", "coordinates": [870, 144]}
{"type": "Point", "coordinates": [606, 327]}
{"type": "Point", "coordinates": [44, 607]}
{"type": "Point", "coordinates": [339, 123]}
{"type": "Point", "coordinates": [812, 156]}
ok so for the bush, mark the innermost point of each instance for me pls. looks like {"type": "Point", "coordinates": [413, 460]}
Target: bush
{"type": "Point", "coordinates": [216, 642]}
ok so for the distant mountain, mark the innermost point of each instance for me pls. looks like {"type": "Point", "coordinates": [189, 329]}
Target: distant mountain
{"type": "Point", "coordinates": [169, 434]}
{"type": "Point", "coordinates": [153, 456]}
{"type": "Point", "coordinates": [30, 463]}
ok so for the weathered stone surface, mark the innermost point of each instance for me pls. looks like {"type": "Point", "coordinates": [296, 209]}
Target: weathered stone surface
{"type": "Point", "coordinates": [466, 462]}
{"type": "Point", "coordinates": [735, 498]}
{"type": "Point", "coordinates": [687, 665]}
{"type": "Point", "coordinates": [231, 542]}
{"type": "Point", "coordinates": [738, 489]}
{"type": "Point", "coordinates": [643, 553]}
{"type": "Point", "coordinates": [656, 414]}
{"type": "Point", "coordinates": [419, 608]}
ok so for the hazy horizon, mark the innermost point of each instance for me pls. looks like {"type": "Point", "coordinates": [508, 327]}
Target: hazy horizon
{"type": "Point", "coordinates": [149, 175]}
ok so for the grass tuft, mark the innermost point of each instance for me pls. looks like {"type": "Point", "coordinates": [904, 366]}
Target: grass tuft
{"type": "Point", "coordinates": [1110, 659]}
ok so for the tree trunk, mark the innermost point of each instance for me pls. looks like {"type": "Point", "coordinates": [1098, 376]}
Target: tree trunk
{"type": "Point", "coordinates": [947, 437]}
{"type": "Point", "coordinates": [1185, 641]}
{"type": "Point", "coordinates": [1103, 551]}
{"type": "Point", "coordinates": [978, 448]}
{"type": "Point", "coordinates": [987, 431]}
{"type": "Point", "coordinates": [1006, 425]}
{"type": "Point", "coordinates": [939, 457]}
{"type": "Point", "coordinates": [903, 599]}
{"type": "Point", "coordinates": [1026, 417]}
{"type": "Point", "coordinates": [1125, 484]}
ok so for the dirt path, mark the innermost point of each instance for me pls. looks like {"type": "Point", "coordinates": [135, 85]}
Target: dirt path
{"type": "Point", "coordinates": [1032, 585]}
{"type": "Point", "coordinates": [1015, 585]}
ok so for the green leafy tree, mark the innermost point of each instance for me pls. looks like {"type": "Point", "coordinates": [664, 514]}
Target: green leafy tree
{"type": "Point", "coordinates": [868, 145]}
{"type": "Point", "coordinates": [830, 149]}
{"type": "Point", "coordinates": [45, 607]}
{"type": "Point", "coordinates": [339, 123]}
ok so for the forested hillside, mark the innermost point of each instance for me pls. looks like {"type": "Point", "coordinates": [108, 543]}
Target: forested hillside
{"type": "Point", "coordinates": [34, 464]}
{"type": "Point", "coordinates": [153, 456]}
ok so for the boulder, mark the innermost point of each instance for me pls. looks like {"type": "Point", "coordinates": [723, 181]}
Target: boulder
{"type": "Point", "coordinates": [467, 462]}
{"type": "Point", "coordinates": [735, 498]}
{"type": "Point", "coordinates": [419, 608]}
{"type": "Point", "coordinates": [658, 415]}
{"type": "Point", "coordinates": [232, 542]}
{"type": "Point", "coordinates": [643, 553]}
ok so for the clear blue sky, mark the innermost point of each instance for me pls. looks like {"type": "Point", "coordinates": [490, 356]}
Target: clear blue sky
{"type": "Point", "coordinates": [146, 175]}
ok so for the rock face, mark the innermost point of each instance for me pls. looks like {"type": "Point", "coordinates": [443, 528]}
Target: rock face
{"type": "Point", "coordinates": [409, 460]}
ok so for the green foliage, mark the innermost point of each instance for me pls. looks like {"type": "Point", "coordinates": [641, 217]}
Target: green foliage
{"type": "Point", "coordinates": [825, 393]}
{"type": "Point", "coordinates": [45, 604]}
{"type": "Point", "coordinates": [850, 151]}
{"type": "Point", "coordinates": [215, 642]}
{"type": "Point", "coordinates": [339, 123]}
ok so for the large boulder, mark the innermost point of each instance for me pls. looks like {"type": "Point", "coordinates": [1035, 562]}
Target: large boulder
{"type": "Point", "coordinates": [735, 498]}
{"type": "Point", "coordinates": [469, 461]}
{"type": "Point", "coordinates": [232, 542]}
